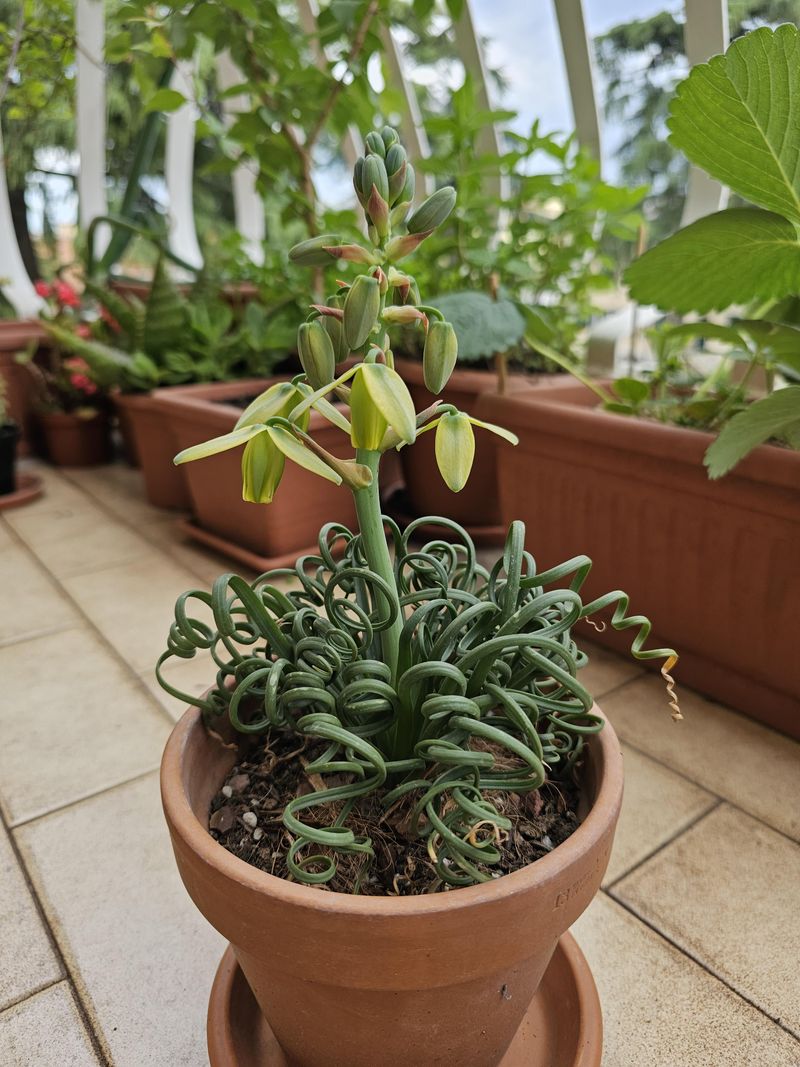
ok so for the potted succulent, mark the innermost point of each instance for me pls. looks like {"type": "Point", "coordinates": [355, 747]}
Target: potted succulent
{"type": "Point", "coordinates": [624, 468]}
{"type": "Point", "coordinates": [396, 796]}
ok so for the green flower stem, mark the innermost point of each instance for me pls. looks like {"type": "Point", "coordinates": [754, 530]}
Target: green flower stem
{"type": "Point", "coordinates": [370, 522]}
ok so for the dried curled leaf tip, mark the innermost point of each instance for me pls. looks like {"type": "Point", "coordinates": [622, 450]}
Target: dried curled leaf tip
{"type": "Point", "coordinates": [670, 682]}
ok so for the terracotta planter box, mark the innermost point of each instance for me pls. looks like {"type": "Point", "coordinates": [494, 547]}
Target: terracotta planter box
{"type": "Point", "coordinates": [153, 443]}
{"type": "Point", "coordinates": [15, 336]}
{"type": "Point", "coordinates": [303, 503]}
{"type": "Point", "coordinates": [360, 981]}
{"type": "Point", "coordinates": [477, 506]}
{"type": "Point", "coordinates": [75, 442]}
{"type": "Point", "coordinates": [713, 564]}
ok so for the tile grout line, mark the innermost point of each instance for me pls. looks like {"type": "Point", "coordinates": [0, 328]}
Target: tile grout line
{"type": "Point", "coordinates": [699, 962]}
{"type": "Point", "coordinates": [708, 789]}
{"type": "Point", "coordinates": [69, 977]}
{"type": "Point", "coordinates": [102, 791]}
{"type": "Point", "coordinates": [15, 1003]}
{"type": "Point", "coordinates": [714, 805]}
{"type": "Point", "coordinates": [61, 588]}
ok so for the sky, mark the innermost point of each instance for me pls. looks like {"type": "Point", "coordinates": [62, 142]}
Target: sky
{"type": "Point", "coordinates": [524, 43]}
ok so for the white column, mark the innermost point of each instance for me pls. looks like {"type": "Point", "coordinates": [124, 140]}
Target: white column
{"type": "Point", "coordinates": [248, 205]}
{"type": "Point", "coordinates": [91, 115]}
{"type": "Point", "coordinates": [578, 60]}
{"type": "Point", "coordinates": [705, 34]}
{"type": "Point", "coordinates": [179, 169]}
{"type": "Point", "coordinates": [14, 281]}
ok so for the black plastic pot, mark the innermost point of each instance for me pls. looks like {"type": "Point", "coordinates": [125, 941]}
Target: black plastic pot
{"type": "Point", "coordinates": [9, 435]}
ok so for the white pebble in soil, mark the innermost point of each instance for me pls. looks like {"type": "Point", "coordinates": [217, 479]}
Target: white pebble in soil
{"type": "Point", "coordinates": [258, 833]}
{"type": "Point", "coordinates": [227, 791]}
{"type": "Point", "coordinates": [250, 819]}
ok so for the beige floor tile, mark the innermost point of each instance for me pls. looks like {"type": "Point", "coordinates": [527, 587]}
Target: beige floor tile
{"type": "Point", "coordinates": [144, 958]}
{"type": "Point", "coordinates": [5, 535]}
{"type": "Point", "coordinates": [27, 960]}
{"type": "Point", "coordinates": [190, 676]}
{"type": "Point", "coordinates": [57, 488]}
{"type": "Point", "coordinates": [45, 1031]}
{"type": "Point", "coordinates": [727, 892]}
{"type": "Point", "coordinates": [30, 603]}
{"type": "Point", "coordinates": [120, 489]}
{"type": "Point", "coordinates": [606, 670]}
{"type": "Point", "coordinates": [734, 757]}
{"type": "Point", "coordinates": [74, 538]}
{"type": "Point", "coordinates": [72, 723]}
{"type": "Point", "coordinates": [657, 805]}
{"type": "Point", "coordinates": [661, 1010]}
{"type": "Point", "coordinates": [133, 605]}
{"type": "Point", "coordinates": [200, 561]}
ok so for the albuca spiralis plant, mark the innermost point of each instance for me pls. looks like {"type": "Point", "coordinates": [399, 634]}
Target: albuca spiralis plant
{"type": "Point", "coordinates": [429, 680]}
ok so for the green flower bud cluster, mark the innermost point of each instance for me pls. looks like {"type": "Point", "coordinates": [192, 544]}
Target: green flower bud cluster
{"type": "Point", "coordinates": [374, 405]}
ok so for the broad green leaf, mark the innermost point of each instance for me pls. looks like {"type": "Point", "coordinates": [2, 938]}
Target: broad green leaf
{"type": "Point", "coordinates": [455, 450]}
{"type": "Point", "coordinates": [262, 470]}
{"type": "Point", "coordinates": [777, 415]}
{"type": "Point", "coordinates": [390, 395]}
{"type": "Point", "coordinates": [483, 326]}
{"type": "Point", "coordinates": [219, 444]}
{"type": "Point", "coordinates": [782, 340]}
{"type": "Point", "coordinates": [709, 330]}
{"type": "Point", "coordinates": [165, 100]}
{"type": "Point", "coordinates": [500, 431]}
{"type": "Point", "coordinates": [731, 257]}
{"type": "Point", "coordinates": [736, 117]}
{"type": "Point", "coordinates": [631, 390]}
{"type": "Point", "coordinates": [286, 441]}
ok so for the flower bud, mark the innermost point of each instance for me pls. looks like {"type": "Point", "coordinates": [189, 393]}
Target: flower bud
{"type": "Point", "coordinates": [312, 253]}
{"type": "Point", "coordinates": [403, 315]}
{"type": "Point", "coordinates": [433, 211]}
{"type": "Point", "coordinates": [378, 211]}
{"type": "Point", "coordinates": [395, 158]}
{"type": "Point", "coordinates": [315, 350]}
{"type": "Point", "coordinates": [439, 356]}
{"type": "Point", "coordinates": [335, 330]}
{"type": "Point", "coordinates": [262, 470]}
{"type": "Point", "coordinates": [389, 137]}
{"type": "Point", "coordinates": [397, 181]}
{"type": "Point", "coordinates": [455, 449]}
{"type": "Point", "coordinates": [374, 174]}
{"type": "Point", "coordinates": [399, 247]}
{"type": "Point", "coordinates": [361, 307]}
{"type": "Point", "coordinates": [409, 187]}
{"type": "Point", "coordinates": [398, 213]}
{"type": "Point", "coordinates": [374, 143]}
{"type": "Point", "coordinates": [358, 174]}
{"type": "Point", "coordinates": [352, 253]}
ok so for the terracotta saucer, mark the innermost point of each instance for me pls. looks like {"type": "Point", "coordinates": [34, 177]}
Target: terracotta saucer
{"type": "Point", "coordinates": [29, 486]}
{"type": "Point", "coordinates": [562, 1028]}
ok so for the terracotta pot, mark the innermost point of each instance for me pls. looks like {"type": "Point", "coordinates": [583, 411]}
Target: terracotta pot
{"type": "Point", "coordinates": [15, 336]}
{"type": "Point", "coordinates": [9, 436]}
{"type": "Point", "coordinates": [303, 503]}
{"type": "Point", "coordinates": [154, 446]}
{"type": "Point", "coordinates": [713, 564]}
{"type": "Point", "coordinates": [478, 504]}
{"type": "Point", "coordinates": [235, 293]}
{"type": "Point", "coordinates": [350, 981]}
{"type": "Point", "coordinates": [72, 441]}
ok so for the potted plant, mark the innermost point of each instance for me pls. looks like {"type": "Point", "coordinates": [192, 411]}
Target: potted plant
{"type": "Point", "coordinates": [624, 469]}
{"type": "Point", "coordinates": [174, 337]}
{"type": "Point", "coordinates": [358, 802]}
{"type": "Point", "coordinates": [543, 242]}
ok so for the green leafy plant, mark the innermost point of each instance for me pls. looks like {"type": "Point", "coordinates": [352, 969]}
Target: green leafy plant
{"type": "Point", "coordinates": [178, 334]}
{"type": "Point", "coordinates": [435, 687]}
{"type": "Point", "coordinates": [734, 117]}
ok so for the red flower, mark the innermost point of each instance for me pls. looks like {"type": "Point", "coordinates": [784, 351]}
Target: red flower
{"type": "Point", "coordinates": [43, 289]}
{"type": "Point", "coordinates": [83, 384]}
{"type": "Point", "coordinates": [83, 330]}
{"type": "Point", "coordinates": [66, 295]}
{"type": "Point", "coordinates": [109, 319]}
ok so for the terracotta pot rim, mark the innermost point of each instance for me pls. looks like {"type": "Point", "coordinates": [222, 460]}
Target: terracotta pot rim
{"type": "Point", "coordinates": [562, 413]}
{"type": "Point", "coordinates": [70, 417]}
{"type": "Point", "coordinates": [196, 837]}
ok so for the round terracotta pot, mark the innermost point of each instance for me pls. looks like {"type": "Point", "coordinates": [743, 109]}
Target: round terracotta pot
{"type": "Point", "coordinates": [72, 441]}
{"type": "Point", "coordinates": [351, 981]}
